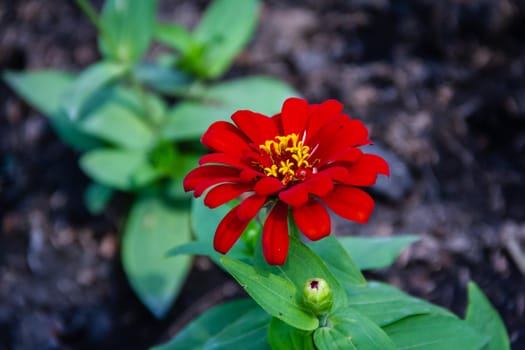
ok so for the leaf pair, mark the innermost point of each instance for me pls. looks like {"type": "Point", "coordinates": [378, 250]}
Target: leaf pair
{"type": "Point", "coordinates": [239, 324]}
{"type": "Point", "coordinates": [278, 290]}
{"type": "Point", "coordinates": [367, 316]}
{"type": "Point", "coordinates": [126, 29]}
{"type": "Point", "coordinates": [224, 327]}
{"type": "Point", "coordinates": [223, 31]}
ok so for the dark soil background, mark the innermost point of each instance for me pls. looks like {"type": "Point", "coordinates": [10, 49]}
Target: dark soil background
{"type": "Point", "coordinates": [439, 83]}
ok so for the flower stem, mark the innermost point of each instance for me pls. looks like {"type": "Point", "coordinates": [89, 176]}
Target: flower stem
{"type": "Point", "coordinates": [292, 227]}
{"type": "Point", "coordinates": [90, 13]}
{"type": "Point", "coordinates": [140, 91]}
{"type": "Point", "coordinates": [323, 320]}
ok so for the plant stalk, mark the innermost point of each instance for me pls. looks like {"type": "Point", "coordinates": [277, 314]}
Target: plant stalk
{"type": "Point", "coordinates": [90, 13]}
{"type": "Point", "coordinates": [292, 227]}
{"type": "Point", "coordinates": [139, 90]}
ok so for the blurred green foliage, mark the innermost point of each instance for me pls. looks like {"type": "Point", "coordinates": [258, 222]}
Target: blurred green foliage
{"type": "Point", "coordinates": [136, 121]}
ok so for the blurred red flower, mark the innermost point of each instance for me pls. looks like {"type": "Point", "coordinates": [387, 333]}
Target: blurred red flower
{"type": "Point", "coordinates": [302, 160]}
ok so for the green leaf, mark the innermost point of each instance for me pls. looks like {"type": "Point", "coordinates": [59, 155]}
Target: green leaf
{"type": "Point", "coordinates": [96, 197]}
{"type": "Point", "coordinates": [44, 91]}
{"type": "Point", "coordinates": [163, 79]}
{"type": "Point", "coordinates": [126, 29]}
{"type": "Point", "coordinates": [71, 134]}
{"type": "Point", "coordinates": [338, 261]}
{"type": "Point", "coordinates": [434, 332]}
{"type": "Point", "coordinates": [174, 36]}
{"type": "Point", "coordinates": [115, 118]}
{"type": "Point", "coordinates": [248, 332]}
{"type": "Point", "coordinates": [189, 120]}
{"type": "Point", "coordinates": [274, 294]}
{"type": "Point", "coordinates": [195, 248]}
{"type": "Point", "coordinates": [284, 337]}
{"type": "Point", "coordinates": [225, 28]}
{"type": "Point", "coordinates": [155, 109]}
{"type": "Point", "coordinates": [348, 329]}
{"type": "Point", "coordinates": [302, 264]}
{"type": "Point", "coordinates": [195, 335]}
{"type": "Point", "coordinates": [385, 304]}
{"type": "Point", "coordinates": [376, 252]}
{"type": "Point", "coordinates": [120, 169]}
{"type": "Point", "coordinates": [484, 318]}
{"type": "Point", "coordinates": [151, 227]}
{"type": "Point", "coordinates": [164, 157]}
{"type": "Point", "coordinates": [90, 81]}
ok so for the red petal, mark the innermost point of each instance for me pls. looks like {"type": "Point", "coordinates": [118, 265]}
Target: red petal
{"type": "Point", "coordinates": [333, 172]}
{"type": "Point", "coordinates": [208, 172]}
{"type": "Point", "coordinates": [224, 137]}
{"type": "Point", "coordinates": [346, 155]}
{"type": "Point", "coordinates": [224, 193]}
{"type": "Point", "coordinates": [256, 126]}
{"type": "Point", "coordinates": [331, 108]}
{"type": "Point", "coordinates": [250, 206]}
{"type": "Point", "coordinates": [379, 163]}
{"type": "Point", "coordinates": [229, 231]}
{"type": "Point", "coordinates": [338, 135]}
{"type": "Point", "coordinates": [359, 175]}
{"type": "Point", "coordinates": [294, 116]}
{"type": "Point", "coordinates": [350, 203]}
{"type": "Point", "coordinates": [221, 158]}
{"type": "Point", "coordinates": [321, 183]}
{"type": "Point", "coordinates": [321, 114]}
{"type": "Point", "coordinates": [294, 196]}
{"type": "Point", "coordinates": [203, 186]}
{"type": "Point", "coordinates": [364, 172]}
{"type": "Point", "coordinates": [275, 240]}
{"type": "Point", "coordinates": [249, 175]}
{"type": "Point", "coordinates": [325, 136]}
{"type": "Point", "coordinates": [312, 219]}
{"type": "Point", "coordinates": [268, 185]}
{"type": "Point", "coordinates": [357, 133]}
{"type": "Point", "coordinates": [278, 121]}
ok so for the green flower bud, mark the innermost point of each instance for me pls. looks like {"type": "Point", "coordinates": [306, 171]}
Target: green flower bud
{"type": "Point", "coordinates": [318, 295]}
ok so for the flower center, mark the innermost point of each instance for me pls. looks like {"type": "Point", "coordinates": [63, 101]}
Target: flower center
{"type": "Point", "coordinates": [288, 158]}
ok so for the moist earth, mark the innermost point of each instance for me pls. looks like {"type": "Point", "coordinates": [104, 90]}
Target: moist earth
{"type": "Point", "coordinates": [440, 84]}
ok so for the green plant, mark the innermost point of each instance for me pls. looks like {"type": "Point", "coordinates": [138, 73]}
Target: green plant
{"type": "Point", "coordinates": [269, 185]}
{"type": "Point", "coordinates": [267, 181]}
{"type": "Point", "coordinates": [135, 120]}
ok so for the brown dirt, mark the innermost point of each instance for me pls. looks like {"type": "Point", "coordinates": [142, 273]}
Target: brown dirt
{"type": "Point", "coordinates": [440, 85]}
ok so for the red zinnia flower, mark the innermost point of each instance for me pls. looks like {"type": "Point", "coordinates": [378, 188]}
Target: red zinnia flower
{"type": "Point", "coordinates": [301, 160]}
